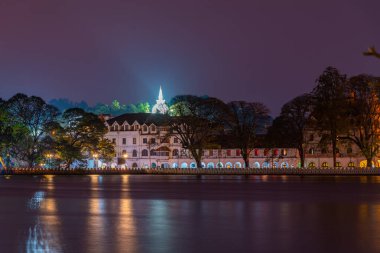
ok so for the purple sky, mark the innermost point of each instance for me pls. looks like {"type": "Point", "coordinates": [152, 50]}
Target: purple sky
{"type": "Point", "coordinates": [264, 50]}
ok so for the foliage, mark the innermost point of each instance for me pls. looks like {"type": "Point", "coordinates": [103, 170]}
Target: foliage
{"type": "Point", "coordinates": [372, 52]}
{"type": "Point", "coordinates": [35, 117]}
{"type": "Point", "coordinates": [288, 129]}
{"type": "Point", "coordinates": [79, 135]}
{"type": "Point", "coordinates": [364, 115]}
{"type": "Point", "coordinates": [195, 122]}
{"type": "Point", "coordinates": [115, 108]}
{"type": "Point", "coordinates": [329, 105]}
{"type": "Point", "coordinates": [242, 121]}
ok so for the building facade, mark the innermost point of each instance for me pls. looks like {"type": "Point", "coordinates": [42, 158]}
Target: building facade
{"type": "Point", "coordinates": [142, 140]}
{"type": "Point", "coordinates": [319, 155]}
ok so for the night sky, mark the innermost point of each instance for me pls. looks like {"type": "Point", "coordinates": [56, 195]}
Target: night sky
{"type": "Point", "coordinates": [264, 50]}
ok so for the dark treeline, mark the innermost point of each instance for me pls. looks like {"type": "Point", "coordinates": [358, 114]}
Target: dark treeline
{"type": "Point", "coordinates": [340, 109]}
{"type": "Point", "coordinates": [115, 108]}
{"type": "Point", "coordinates": [34, 133]}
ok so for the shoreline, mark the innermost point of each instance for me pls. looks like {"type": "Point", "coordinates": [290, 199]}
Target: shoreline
{"type": "Point", "coordinates": [199, 172]}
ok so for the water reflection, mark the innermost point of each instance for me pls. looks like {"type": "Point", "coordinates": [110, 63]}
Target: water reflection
{"type": "Point", "coordinates": [126, 224]}
{"type": "Point", "coordinates": [183, 214]}
{"type": "Point", "coordinates": [35, 202]}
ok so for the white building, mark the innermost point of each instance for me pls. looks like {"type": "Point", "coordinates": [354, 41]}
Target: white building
{"type": "Point", "coordinates": [141, 141]}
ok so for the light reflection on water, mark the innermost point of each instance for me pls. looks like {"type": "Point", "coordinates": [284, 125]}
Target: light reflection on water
{"type": "Point", "coordinates": [35, 202]}
{"type": "Point", "coordinates": [184, 214]}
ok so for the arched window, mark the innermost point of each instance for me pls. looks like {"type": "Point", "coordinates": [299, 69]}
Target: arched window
{"type": "Point", "coordinates": [338, 164]}
{"type": "Point", "coordinates": [325, 165]}
{"type": "Point", "coordinates": [134, 165]}
{"type": "Point", "coordinates": [175, 152]}
{"type": "Point", "coordinates": [351, 164]}
{"type": "Point", "coordinates": [144, 152]}
{"type": "Point", "coordinates": [153, 128]}
{"type": "Point", "coordinates": [145, 128]}
{"type": "Point", "coordinates": [134, 153]}
{"type": "Point", "coordinates": [311, 165]}
{"type": "Point", "coordinates": [152, 152]}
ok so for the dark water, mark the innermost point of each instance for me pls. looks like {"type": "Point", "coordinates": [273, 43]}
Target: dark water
{"type": "Point", "coordinates": [186, 214]}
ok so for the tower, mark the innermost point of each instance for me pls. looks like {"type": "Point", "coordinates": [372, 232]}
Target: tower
{"type": "Point", "coordinates": [160, 106]}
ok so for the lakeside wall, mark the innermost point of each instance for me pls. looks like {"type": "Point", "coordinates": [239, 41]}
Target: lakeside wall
{"type": "Point", "coordinates": [199, 171]}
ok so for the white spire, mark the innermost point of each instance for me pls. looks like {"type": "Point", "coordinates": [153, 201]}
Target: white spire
{"type": "Point", "coordinates": [160, 96]}
{"type": "Point", "coordinates": [160, 106]}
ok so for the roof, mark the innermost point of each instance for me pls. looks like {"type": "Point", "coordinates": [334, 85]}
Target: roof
{"type": "Point", "coordinates": [141, 118]}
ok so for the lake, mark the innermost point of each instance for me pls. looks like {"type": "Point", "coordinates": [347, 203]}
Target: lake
{"type": "Point", "coordinates": [142, 213]}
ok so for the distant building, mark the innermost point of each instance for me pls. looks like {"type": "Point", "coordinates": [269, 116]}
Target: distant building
{"type": "Point", "coordinates": [160, 106]}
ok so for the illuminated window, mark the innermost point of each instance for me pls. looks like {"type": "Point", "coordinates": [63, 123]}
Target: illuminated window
{"type": "Point", "coordinates": [284, 152]}
{"type": "Point", "coordinates": [338, 164]}
{"type": "Point", "coordinates": [325, 165]}
{"type": "Point", "coordinates": [311, 165]}
{"type": "Point", "coordinates": [351, 164]}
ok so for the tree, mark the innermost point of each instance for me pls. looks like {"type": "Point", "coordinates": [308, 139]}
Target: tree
{"type": "Point", "coordinates": [372, 52]}
{"type": "Point", "coordinates": [194, 121]}
{"type": "Point", "coordinates": [36, 116]}
{"type": "Point", "coordinates": [79, 135]}
{"type": "Point", "coordinates": [242, 120]}
{"type": "Point", "coordinates": [143, 107]}
{"type": "Point", "coordinates": [329, 106]}
{"type": "Point", "coordinates": [364, 115]}
{"type": "Point", "coordinates": [288, 130]}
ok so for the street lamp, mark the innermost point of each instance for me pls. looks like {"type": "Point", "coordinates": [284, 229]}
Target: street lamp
{"type": "Point", "coordinates": [49, 156]}
{"type": "Point", "coordinates": [95, 155]}
{"type": "Point", "coordinates": [125, 156]}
